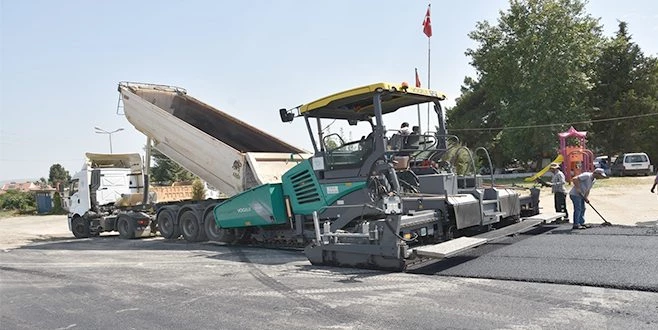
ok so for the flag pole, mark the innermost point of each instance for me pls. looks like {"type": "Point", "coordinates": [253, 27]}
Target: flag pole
{"type": "Point", "coordinates": [428, 80]}
{"type": "Point", "coordinates": [418, 105]}
{"type": "Point", "coordinates": [429, 63]}
{"type": "Point", "coordinates": [427, 29]}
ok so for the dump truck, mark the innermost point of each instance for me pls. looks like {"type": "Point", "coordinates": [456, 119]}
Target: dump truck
{"type": "Point", "coordinates": [110, 194]}
{"type": "Point", "coordinates": [112, 191]}
{"type": "Point", "coordinates": [227, 153]}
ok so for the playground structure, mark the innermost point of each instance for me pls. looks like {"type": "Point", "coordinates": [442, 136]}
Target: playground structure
{"type": "Point", "coordinates": [577, 158]}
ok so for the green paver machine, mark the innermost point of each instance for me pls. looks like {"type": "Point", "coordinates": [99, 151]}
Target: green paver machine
{"type": "Point", "coordinates": [376, 202]}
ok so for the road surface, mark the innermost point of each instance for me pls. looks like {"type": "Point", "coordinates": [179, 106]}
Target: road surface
{"type": "Point", "coordinates": [551, 277]}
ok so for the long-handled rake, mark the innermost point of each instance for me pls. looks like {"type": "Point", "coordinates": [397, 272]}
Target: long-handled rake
{"type": "Point", "coordinates": [605, 222]}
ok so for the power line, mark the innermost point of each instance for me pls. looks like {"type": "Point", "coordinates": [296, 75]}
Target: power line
{"type": "Point", "coordinates": [550, 125]}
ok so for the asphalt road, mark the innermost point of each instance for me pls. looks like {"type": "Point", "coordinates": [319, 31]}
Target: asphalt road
{"type": "Point", "coordinates": [591, 279]}
{"type": "Point", "coordinates": [613, 257]}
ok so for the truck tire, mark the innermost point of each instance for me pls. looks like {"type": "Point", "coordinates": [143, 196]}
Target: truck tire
{"type": "Point", "coordinates": [202, 237]}
{"type": "Point", "coordinates": [80, 227]}
{"type": "Point", "coordinates": [190, 226]}
{"type": "Point", "coordinates": [126, 227]}
{"type": "Point", "coordinates": [166, 225]}
{"type": "Point", "coordinates": [215, 233]}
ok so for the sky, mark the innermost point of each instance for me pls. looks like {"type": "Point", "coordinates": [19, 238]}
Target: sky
{"type": "Point", "coordinates": [61, 61]}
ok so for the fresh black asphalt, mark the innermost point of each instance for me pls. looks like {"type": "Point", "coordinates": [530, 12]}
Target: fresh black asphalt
{"type": "Point", "coordinates": [614, 257]}
{"type": "Point", "coordinates": [552, 277]}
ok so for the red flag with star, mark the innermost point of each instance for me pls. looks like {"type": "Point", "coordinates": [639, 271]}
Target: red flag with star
{"type": "Point", "coordinates": [427, 23]}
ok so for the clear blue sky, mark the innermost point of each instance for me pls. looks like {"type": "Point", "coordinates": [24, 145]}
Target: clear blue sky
{"type": "Point", "coordinates": [61, 61]}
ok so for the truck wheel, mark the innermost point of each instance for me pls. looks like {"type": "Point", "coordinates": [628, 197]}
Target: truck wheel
{"type": "Point", "coordinates": [214, 233]}
{"type": "Point", "coordinates": [166, 225]}
{"type": "Point", "coordinates": [190, 227]}
{"type": "Point", "coordinates": [80, 227]}
{"type": "Point", "coordinates": [126, 228]}
{"type": "Point", "coordinates": [201, 237]}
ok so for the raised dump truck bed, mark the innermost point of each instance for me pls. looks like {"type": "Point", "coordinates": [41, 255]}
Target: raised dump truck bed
{"type": "Point", "coordinates": [228, 153]}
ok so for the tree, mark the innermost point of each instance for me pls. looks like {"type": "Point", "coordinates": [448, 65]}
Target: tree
{"type": "Point", "coordinates": [57, 204]}
{"type": "Point", "coordinates": [626, 85]}
{"type": "Point", "coordinates": [167, 171]}
{"type": "Point", "coordinates": [58, 176]}
{"type": "Point", "coordinates": [471, 119]}
{"type": "Point", "coordinates": [198, 190]}
{"type": "Point", "coordinates": [42, 183]}
{"type": "Point", "coordinates": [535, 68]}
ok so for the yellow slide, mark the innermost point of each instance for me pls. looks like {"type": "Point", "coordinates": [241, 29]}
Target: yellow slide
{"type": "Point", "coordinates": [543, 171]}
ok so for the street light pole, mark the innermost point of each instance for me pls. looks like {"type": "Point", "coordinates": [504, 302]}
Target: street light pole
{"type": "Point", "coordinates": [102, 131]}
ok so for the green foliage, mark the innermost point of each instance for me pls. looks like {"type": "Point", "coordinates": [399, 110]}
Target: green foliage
{"type": "Point", "coordinates": [331, 143]}
{"type": "Point", "coordinates": [533, 67]}
{"type": "Point", "coordinates": [546, 62]}
{"type": "Point", "coordinates": [18, 200]}
{"type": "Point", "coordinates": [458, 156]}
{"type": "Point", "coordinates": [165, 171]}
{"type": "Point", "coordinates": [42, 182]}
{"type": "Point", "coordinates": [57, 204]}
{"type": "Point", "coordinates": [627, 85]}
{"type": "Point", "coordinates": [334, 140]}
{"type": "Point", "coordinates": [198, 190]}
{"type": "Point", "coordinates": [58, 176]}
{"type": "Point", "coordinates": [476, 114]}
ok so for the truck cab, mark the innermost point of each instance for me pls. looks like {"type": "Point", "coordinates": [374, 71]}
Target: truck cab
{"type": "Point", "coordinates": [112, 184]}
{"type": "Point", "coordinates": [97, 189]}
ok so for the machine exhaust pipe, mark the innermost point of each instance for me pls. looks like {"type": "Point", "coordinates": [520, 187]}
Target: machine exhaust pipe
{"type": "Point", "coordinates": [316, 225]}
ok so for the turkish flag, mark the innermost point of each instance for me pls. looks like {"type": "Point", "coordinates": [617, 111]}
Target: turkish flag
{"type": "Point", "coordinates": [417, 79]}
{"type": "Point", "coordinates": [427, 24]}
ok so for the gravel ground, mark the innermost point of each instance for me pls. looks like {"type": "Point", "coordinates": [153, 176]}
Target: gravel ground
{"type": "Point", "coordinates": [623, 201]}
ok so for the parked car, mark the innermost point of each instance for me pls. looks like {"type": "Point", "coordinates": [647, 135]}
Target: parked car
{"type": "Point", "coordinates": [636, 163]}
{"type": "Point", "coordinates": [602, 162]}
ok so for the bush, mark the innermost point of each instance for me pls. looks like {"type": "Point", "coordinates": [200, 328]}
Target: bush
{"type": "Point", "coordinates": [198, 190]}
{"type": "Point", "coordinates": [18, 200]}
{"type": "Point", "coordinates": [57, 205]}
{"type": "Point", "coordinates": [458, 157]}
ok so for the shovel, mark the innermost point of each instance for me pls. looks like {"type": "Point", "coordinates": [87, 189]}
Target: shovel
{"type": "Point", "coordinates": [605, 222]}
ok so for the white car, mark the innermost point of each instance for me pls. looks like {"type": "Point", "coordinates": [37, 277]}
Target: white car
{"type": "Point", "coordinates": [631, 163]}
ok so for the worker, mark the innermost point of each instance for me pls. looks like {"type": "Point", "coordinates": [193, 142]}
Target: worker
{"type": "Point", "coordinates": [655, 183]}
{"type": "Point", "coordinates": [579, 194]}
{"type": "Point", "coordinates": [404, 129]}
{"type": "Point", "coordinates": [559, 192]}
